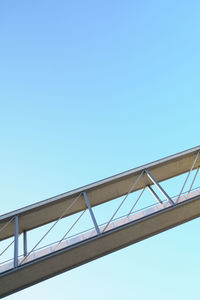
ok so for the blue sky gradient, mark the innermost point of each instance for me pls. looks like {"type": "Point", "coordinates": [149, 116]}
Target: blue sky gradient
{"type": "Point", "coordinates": [89, 89]}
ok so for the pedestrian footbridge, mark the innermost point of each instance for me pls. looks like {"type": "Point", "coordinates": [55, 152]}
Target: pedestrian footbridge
{"type": "Point", "coordinates": [178, 173]}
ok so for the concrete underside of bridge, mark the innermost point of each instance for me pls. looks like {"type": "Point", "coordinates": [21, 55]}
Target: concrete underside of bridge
{"type": "Point", "coordinates": [71, 257]}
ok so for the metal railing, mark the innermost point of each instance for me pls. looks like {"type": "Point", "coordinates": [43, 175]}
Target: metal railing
{"type": "Point", "coordinates": [91, 232]}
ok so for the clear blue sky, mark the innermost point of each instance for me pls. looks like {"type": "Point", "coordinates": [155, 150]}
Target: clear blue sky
{"type": "Point", "coordinates": [89, 89]}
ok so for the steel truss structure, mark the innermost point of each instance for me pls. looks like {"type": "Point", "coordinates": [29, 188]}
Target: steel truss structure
{"type": "Point", "coordinates": [38, 264]}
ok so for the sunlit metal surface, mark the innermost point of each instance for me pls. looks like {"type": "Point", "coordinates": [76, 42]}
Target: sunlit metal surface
{"type": "Point", "coordinates": [39, 264]}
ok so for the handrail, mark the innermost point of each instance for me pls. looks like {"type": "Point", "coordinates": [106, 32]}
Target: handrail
{"type": "Point", "coordinates": [93, 228]}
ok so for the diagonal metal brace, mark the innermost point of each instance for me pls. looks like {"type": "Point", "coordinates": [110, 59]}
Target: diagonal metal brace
{"type": "Point", "coordinates": [154, 194]}
{"type": "Point", "coordinates": [91, 213]}
{"type": "Point", "coordinates": [188, 176]}
{"type": "Point", "coordinates": [159, 187]}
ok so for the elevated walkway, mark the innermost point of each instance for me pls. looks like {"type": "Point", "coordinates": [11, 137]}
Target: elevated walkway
{"type": "Point", "coordinates": [39, 264]}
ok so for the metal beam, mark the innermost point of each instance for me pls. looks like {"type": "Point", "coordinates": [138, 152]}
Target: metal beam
{"type": "Point", "coordinates": [134, 205]}
{"type": "Point", "coordinates": [91, 213]}
{"type": "Point", "coordinates": [44, 212]}
{"type": "Point", "coordinates": [188, 175]}
{"type": "Point", "coordinates": [25, 243]}
{"type": "Point", "coordinates": [154, 194]}
{"type": "Point", "coordinates": [159, 187]}
{"type": "Point", "coordinates": [71, 257]}
{"type": "Point", "coordinates": [196, 173]}
{"type": "Point", "coordinates": [130, 190]}
{"type": "Point", "coordinates": [16, 242]}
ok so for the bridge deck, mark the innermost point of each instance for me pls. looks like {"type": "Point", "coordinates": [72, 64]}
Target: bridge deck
{"type": "Point", "coordinates": [99, 192]}
{"type": "Point", "coordinates": [41, 264]}
{"type": "Point", "coordinates": [88, 246]}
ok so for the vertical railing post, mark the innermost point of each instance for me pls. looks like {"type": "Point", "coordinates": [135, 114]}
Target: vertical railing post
{"type": "Point", "coordinates": [16, 242]}
{"type": "Point", "coordinates": [25, 243]}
